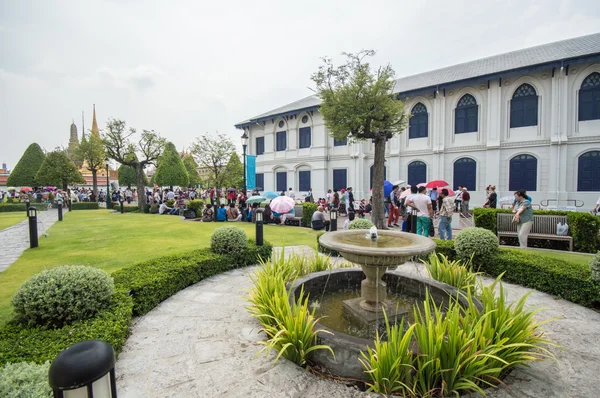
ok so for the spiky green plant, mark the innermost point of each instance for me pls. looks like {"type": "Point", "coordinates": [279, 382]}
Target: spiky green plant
{"type": "Point", "coordinates": [455, 273]}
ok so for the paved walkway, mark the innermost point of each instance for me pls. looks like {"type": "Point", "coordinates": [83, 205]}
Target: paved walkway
{"type": "Point", "coordinates": [15, 239]}
{"type": "Point", "coordinates": [202, 342]}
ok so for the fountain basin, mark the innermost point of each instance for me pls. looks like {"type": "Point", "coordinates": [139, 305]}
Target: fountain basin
{"type": "Point", "coordinates": [346, 347]}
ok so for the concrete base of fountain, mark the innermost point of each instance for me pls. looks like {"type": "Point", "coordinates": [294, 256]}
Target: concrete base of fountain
{"type": "Point", "coordinates": [373, 319]}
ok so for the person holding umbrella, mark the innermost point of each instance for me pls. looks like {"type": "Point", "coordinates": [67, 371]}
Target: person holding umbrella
{"type": "Point", "coordinates": [446, 211]}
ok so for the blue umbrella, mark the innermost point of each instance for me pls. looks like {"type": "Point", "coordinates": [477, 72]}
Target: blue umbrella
{"type": "Point", "coordinates": [270, 195]}
{"type": "Point", "coordinates": [387, 188]}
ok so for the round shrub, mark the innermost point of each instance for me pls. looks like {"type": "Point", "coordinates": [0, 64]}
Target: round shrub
{"type": "Point", "coordinates": [63, 295]}
{"type": "Point", "coordinates": [360, 224]}
{"type": "Point", "coordinates": [477, 242]}
{"type": "Point", "coordinates": [227, 240]}
{"type": "Point", "coordinates": [595, 267]}
{"type": "Point", "coordinates": [25, 379]}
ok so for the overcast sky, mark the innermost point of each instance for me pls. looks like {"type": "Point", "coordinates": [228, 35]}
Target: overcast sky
{"type": "Point", "coordinates": [184, 68]}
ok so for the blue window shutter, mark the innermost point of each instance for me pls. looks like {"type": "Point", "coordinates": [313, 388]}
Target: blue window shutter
{"type": "Point", "coordinates": [471, 119]}
{"type": "Point", "coordinates": [531, 111]}
{"type": "Point", "coordinates": [465, 174]}
{"type": "Point", "coordinates": [588, 172]}
{"type": "Point", "coordinates": [281, 143]}
{"type": "Point", "coordinates": [417, 173]}
{"type": "Point", "coordinates": [517, 112]}
{"type": "Point", "coordinates": [260, 145]}
{"type": "Point", "coordinates": [523, 173]}
{"type": "Point", "coordinates": [260, 181]}
{"type": "Point", "coordinates": [340, 179]}
{"type": "Point", "coordinates": [304, 137]}
{"type": "Point", "coordinates": [304, 180]}
{"type": "Point", "coordinates": [281, 181]}
{"type": "Point", "coordinates": [460, 119]}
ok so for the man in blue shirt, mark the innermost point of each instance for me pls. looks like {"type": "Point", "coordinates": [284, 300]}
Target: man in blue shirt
{"type": "Point", "coordinates": [222, 213]}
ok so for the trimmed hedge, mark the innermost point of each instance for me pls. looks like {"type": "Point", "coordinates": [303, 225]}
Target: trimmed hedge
{"type": "Point", "coordinates": [170, 202]}
{"type": "Point", "coordinates": [22, 344]}
{"type": "Point", "coordinates": [25, 379]}
{"type": "Point", "coordinates": [583, 227]}
{"type": "Point", "coordinates": [16, 207]}
{"type": "Point", "coordinates": [324, 250]}
{"type": "Point", "coordinates": [568, 280]}
{"type": "Point", "coordinates": [85, 206]}
{"type": "Point", "coordinates": [153, 281]}
{"type": "Point", "coordinates": [126, 209]}
{"type": "Point", "coordinates": [196, 204]}
{"type": "Point", "coordinates": [308, 208]}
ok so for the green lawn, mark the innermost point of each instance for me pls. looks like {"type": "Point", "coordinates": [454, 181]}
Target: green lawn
{"type": "Point", "coordinates": [111, 241]}
{"type": "Point", "coordinates": [12, 218]}
{"type": "Point", "coordinates": [561, 255]}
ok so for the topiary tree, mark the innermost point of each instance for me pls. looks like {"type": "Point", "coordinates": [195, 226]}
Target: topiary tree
{"type": "Point", "coordinates": [227, 240]}
{"type": "Point", "coordinates": [192, 169]}
{"type": "Point", "coordinates": [360, 224]}
{"type": "Point", "coordinates": [233, 176]}
{"type": "Point", "coordinates": [595, 267]}
{"type": "Point", "coordinates": [58, 170]}
{"type": "Point", "coordinates": [171, 170]}
{"type": "Point", "coordinates": [62, 295]}
{"type": "Point", "coordinates": [23, 174]}
{"type": "Point", "coordinates": [477, 242]}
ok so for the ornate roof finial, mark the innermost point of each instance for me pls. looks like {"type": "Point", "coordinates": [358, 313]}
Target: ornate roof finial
{"type": "Point", "coordinates": [95, 129]}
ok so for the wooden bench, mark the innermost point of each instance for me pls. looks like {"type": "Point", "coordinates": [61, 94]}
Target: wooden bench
{"type": "Point", "coordinates": [544, 227]}
{"type": "Point", "coordinates": [297, 219]}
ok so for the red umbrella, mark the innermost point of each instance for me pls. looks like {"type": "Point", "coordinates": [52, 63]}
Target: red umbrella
{"type": "Point", "coordinates": [436, 184]}
{"type": "Point", "coordinates": [450, 191]}
{"type": "Point", "coordinates": [26, 189]}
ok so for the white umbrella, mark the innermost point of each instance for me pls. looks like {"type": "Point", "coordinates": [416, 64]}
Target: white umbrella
{"type": "Point", "coordinates": [506, 199]}
{"type": "Point", "coordinates": [399, 182]}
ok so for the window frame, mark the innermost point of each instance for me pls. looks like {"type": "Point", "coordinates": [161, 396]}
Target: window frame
{"type": "Point", "coordinates": [524, 108]}
{"type": "Point", "coordinates": [415, 163]}
{"type": "Point", "coordinates": [277, 174]}
{"type": "Point", "coordinates": [470, 114]}
{"type": "Point", "coordinates": [262, 180]}
{"type": "Point", "coordinates": [418, 124]}
{"type": "Point", "coordinates": [277, 137]}
{"type": "Point", "coordinates": [338, 142]}
{"type": "Point", "coordinates": [594, 179]}
{"type": "Point", "coordinates": [462, 181]}
{"type": "Point", "coordinates": [594, 93]}
{"type": "Point", "coordinates": [333, 179]}
{"type": "Point", "coordinates": [304, 186]}
{"type": "Point", "coordinates": [260, 149]}
{"type": "Point", "coordinates": [512, 185]}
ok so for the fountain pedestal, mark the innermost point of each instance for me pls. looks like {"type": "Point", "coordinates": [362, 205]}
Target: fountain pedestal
{"type": "Point", "coordinates": [369, 308]}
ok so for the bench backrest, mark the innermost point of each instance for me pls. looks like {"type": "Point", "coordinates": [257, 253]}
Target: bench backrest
{"type": "Point", "coordinates": [298, 211]}
{"type": "Point", "coordinates": [541, 224]}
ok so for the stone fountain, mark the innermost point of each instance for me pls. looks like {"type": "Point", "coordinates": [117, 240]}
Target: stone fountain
{"type": "Point", "coordinates": [376, 252]}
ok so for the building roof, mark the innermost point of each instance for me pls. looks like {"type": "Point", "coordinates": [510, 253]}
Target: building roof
{"type": "Point", "coordinates": [556, 54]}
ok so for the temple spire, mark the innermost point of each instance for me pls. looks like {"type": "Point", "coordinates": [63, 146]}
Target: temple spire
{"type": "Point", "coordinates": [95, 129]}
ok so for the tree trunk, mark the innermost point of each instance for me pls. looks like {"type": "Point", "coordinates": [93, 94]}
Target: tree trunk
{"type": "Point", "coordinates": [378, 215]}
{"type": "Point", "coordinates": [95, 183]}
{"type": "Point", "coordinates": [140, 186]}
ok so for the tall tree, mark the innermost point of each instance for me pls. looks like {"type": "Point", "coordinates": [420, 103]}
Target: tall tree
{"type": "Point", "coordinates": [23, 174]}
{"type": "Point", "coordinates": [127, 175]}
{"type": "Point", "coordinates": [58, 170]}
{"type": "Point", "coordinates": [91, 153]}
{"type": "Point", "coordinates": [359, 104]}
{"type": "Point", "coordinates": [213, 153]}
{"type": "Point", "coordinates": [234, 172]}
{"type": "Point", "coordinates": [119, 143]}
{"type": "Point", "coordinates": [171, 170]}
{"type": "Point", "coordinates": [192, 169]}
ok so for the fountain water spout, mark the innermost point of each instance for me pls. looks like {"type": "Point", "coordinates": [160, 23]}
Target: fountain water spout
{"type": "Point", "coordinates": [372, 233]}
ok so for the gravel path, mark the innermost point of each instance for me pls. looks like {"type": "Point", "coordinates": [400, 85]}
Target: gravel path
{"type": "Point", "coordinates": [15, 239]}
{"type": "Point", "coordinates": [202, 342]}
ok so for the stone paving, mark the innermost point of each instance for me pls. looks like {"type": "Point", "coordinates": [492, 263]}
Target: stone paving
{"type": "Point", "coordinates": [202, 342]}
{"type": "Point", "coordinates": [15, 239]}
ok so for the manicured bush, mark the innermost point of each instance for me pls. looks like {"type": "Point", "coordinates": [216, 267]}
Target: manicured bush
{"type": "Point", "coordinates": [25, 379]}
{"type": "Point", "coordinates": [127, 209]}
{"type": "Point", "coordinates": [583, 227]}
{"type": "Point", "coordinates": [19, 343]}
{"type": "Point", "coordinates": [154, 208]}
{"type": "Point", "coordinates": [445, 247]}
{"type": "Point", "coordinates": [308, 208]}
{"type": "Point", "coordinates": [62, 295]}
{"type": "Point", "coordinates": [360, 224]}
{"type": "Point", "coordinates": [595, 267]}
{"type": "Point", "coordinates": [228, 239]}
{"type": "Point", "coordinates": [478, 243]}
{"type": "Point", "coordinates": [196, 204]}
{"type": "Point", "coordinates": [16, 207]}
{"type": "Point", "coordinates": [153, 281]}
{"type": "Point", "coordinates": [170, 202]}
{"type": "Point", "coordinates": [323, 249]}
{"type": "Point", "coordinates": [84, 206]}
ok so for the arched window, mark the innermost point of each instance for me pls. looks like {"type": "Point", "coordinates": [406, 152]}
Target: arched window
{"type": "Point", "coordinates": [524, 107]}
{"type": "Point", "coordinates": [589, 98]}
{"type": "Point", "coordinates": [523, 173]}
{"type": "Point", "coordinates": [465, 174]}
{"type": "Point", "coordinates": [465, 117]}
{"type": "Point", "coordinates": [418, 124]}
{"type": "Point", "coordinates": [588, 172]}
{"type": "Point", "coordinates": [371, 178]}
{"type": "Point", "coordinates": [417, 173]}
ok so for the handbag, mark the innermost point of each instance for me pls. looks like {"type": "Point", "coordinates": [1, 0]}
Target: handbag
{"type": "Point", "coordinates": [432, 228]}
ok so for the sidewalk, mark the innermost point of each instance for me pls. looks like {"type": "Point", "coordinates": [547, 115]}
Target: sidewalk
{"type": "Point", "coordinates": [15, 239]}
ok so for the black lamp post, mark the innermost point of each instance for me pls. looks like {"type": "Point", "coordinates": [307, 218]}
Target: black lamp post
{"type": "Point", "coordinates": [333, 215]}
{"type": "Point", "coordinates": [259, 226]}
{"type": "Point", "coordinates": [59, 205]}
{"type": "Point", "coordinates": [85, 369]}
{"type": "Point", "coordinates": [108, 204]}
{"type": "Point", "coordinates": [33, 231]}
{"type": "Point", "coordinates": [244, 146]}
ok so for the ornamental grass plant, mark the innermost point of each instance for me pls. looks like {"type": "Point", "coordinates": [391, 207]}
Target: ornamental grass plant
{"type": "Point", "coordinates": [453, 272]}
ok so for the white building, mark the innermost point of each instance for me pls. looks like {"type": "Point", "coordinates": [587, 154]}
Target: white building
{"type": "Point", "coordinates": [525, 119]}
